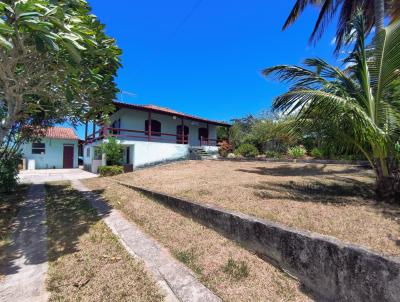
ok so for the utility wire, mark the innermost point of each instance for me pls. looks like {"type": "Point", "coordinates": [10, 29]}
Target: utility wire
{"type": "Point", "coordinates": [189, 14]}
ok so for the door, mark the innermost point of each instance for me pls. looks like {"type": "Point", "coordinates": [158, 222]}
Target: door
{"type": "Point", "coordinates": [203, 136]}
{"type": "Point", "coordinates": [68, 157]}
{"type": "Point", "coordinates": [179, 139]}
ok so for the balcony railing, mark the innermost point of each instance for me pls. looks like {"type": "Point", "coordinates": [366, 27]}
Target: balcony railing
{"type": "Point", "coordinates": [143, 135]}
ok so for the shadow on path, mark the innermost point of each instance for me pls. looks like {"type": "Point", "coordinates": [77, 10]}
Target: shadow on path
{"type": "Point", "coordinates": [26, 261]}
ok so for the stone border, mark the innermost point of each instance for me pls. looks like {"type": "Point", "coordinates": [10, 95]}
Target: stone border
{"type": "Point", "coordinates": [331, 269]}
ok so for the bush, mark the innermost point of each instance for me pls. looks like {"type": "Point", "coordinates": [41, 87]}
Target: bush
{"type": "Point", "coordinates": [110, 170]}
{"type": "Point", "coordinates": [246, 150]}
{"type": "Point", "coordinates": [317, 153]}
{"type": "Point", "coordinates": [9, 172]}
{"type": "Point", "coordinates": [273, 154]}
{"type": "Point", "coordinates": [114, 152]}
{"type": "Point", "coordinates": [224, 148]}
{"type": "Point", "coordinates": [297, 152]}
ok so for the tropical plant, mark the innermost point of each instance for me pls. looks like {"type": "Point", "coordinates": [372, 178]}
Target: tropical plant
{"type": "Point", "coordinates": [113, 151]}
{"type": "Point", "coordinates": [354, 100]}
{"type": "Point", "coordinates": [373, 11]}
{"type": "Point", "coordinates": [297, 152]}
{"type": "Point", "coordinates": [246, 150]}
{"type": "Point", "coordinates": [56, 64]}
{"type": "Point", "coordinates": [224, 148]}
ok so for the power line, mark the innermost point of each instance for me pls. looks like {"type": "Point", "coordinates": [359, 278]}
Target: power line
{"type": "Point", "coordinates": [189, 14]}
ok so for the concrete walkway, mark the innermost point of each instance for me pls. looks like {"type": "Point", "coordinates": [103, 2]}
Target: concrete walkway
{"type": "Point", "coordinates": [46, 175]}
{"type": "Point", "coordinates": [26, 271]}
{"type": "Point", "coordinates": [177, 281]}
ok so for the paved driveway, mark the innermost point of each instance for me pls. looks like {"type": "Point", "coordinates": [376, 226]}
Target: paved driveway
{"type": "Point", "coordinates": [47, 175]}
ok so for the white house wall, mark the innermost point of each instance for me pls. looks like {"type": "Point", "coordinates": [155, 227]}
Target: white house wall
{"type": "Point", "coordinates": [145, 153]}
{"type": "Point", "coordinates": [142, 153]}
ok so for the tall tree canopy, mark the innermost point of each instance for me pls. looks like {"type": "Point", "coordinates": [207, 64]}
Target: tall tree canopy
{"type": "Point", "coordinates": [374, 12]}
{"type": "Point", "coordinates": [56, 64]}
{"type": "Point", "coordinates": [357, 101]}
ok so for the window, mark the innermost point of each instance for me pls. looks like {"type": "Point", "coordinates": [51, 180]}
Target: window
{"type": "Point", "coordinates": [97, 153]}
{"type": "Point", "coordinates": [155, 128]}
{"type": "Point", "coordinates": [116, 124]}
{"type": "Point", "coordinates": [38, 148]}
{"type": "Point", "coordinates": [88, 152]}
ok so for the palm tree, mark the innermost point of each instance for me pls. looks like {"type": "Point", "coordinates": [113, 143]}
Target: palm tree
{"type": "Point", "coordinates": [357, 101]}
{"type": "Point", "coordinates": [373, 11]}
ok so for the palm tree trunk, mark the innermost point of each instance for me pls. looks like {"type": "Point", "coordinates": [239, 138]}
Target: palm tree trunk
{"type": "Point", "coordinates": [388, 185]}
{"type": "Point", "coordinates": [379, 8]}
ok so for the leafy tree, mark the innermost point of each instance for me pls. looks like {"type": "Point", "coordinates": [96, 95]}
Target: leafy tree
{"type": "Point", "coordinates": [56, 64]}
{"type": "Point", "coordinates": [373, 11]}
{"type": "Point", "coordinates": [354, 101]}
{"type": "Point", "coordinates": [113, 151]}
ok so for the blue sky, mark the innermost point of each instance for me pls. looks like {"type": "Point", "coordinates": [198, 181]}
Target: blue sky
{"type": "Point", "coordinates": [205, 57]}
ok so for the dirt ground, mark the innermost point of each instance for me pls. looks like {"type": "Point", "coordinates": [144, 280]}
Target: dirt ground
{"type": "Point", "coordinates": [86, 261]}
{"type": "Point", "coordinates": [230, 271]}
{"type": "Point", "coordinates": [335, 200]}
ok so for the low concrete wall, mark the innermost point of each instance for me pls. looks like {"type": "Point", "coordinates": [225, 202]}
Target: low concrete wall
{"type": "Point", "coordinates": [332, 270]}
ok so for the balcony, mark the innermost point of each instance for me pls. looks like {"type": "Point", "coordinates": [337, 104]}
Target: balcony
{"type": "Point", "coordinates": [149, 136]}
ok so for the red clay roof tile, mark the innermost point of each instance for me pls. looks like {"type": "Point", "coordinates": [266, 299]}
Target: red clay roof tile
{"type": "Point", "coordinates": [60, 133]}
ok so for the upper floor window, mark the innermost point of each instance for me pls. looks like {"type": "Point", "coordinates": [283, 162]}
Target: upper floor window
{"type": "Point", "coordinates": [155, 127]}
{"type": "Point", "coordinates": [38, 148]}
{"type": "Point", "coordinates": [116, 124]}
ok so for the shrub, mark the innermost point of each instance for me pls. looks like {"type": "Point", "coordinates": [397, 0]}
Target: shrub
{"type": "Point", "coordinates": [114, 152]}
{"type": "Point", "coordinates": [110, 170]}
{"type": "Point", "coordinates": [224, 148]}
{"type": "Point", "coordinates": [9, 172]}
{"type": "Point", "coordinates": [297, 152]}
{"type": "Point", "coordinates": [246, 150]}
{"type": "Point", "coordinates": [317, 153]}
{"type": "Point", "coordinates": [236, 269]}
{"type": "Point", "coordinates": [273, 154]}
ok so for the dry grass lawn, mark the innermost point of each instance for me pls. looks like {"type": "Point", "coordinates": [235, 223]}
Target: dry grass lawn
{"type": "Point", "coordinates": [9, 205]}
{"type": "Point", "coordinates": [230, 271]}
{"type": "Point", "coordinates": [86, 261]}
{"type": "Point", "coordinates": [336, 200]}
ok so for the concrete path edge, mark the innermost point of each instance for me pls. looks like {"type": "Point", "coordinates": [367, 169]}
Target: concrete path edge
{"type": "Point", "coordinates": [176, 281]}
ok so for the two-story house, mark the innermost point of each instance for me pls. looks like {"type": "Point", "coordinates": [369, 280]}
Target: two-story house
{"type": "Point", "coordinates": [151, 134]}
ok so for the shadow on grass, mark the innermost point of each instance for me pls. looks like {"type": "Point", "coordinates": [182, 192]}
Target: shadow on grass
{"type": "Point", "coordinates": [303, 170]}
{"type": "Point", "coordinates": [333, 190]}
{"type": "Point", "coordinates": [69, 215]}
{"type": "Point", "coordinates": [338, 192]}
{"type": "Point", "coordinates": [10, 203]}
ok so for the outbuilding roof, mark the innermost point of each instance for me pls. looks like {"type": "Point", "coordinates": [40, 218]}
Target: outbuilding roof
{"type": "Point", "coordinates": [61, 133]}
{"type": "Point", "coordinates": [167, 111]}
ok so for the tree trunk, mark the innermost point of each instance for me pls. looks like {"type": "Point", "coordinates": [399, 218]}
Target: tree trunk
{"type": "Point", "coordinates": [379, 10]}
{"type": "Point", "coordinates": [388, 186]}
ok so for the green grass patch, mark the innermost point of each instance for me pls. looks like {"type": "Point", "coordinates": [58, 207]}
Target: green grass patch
{"type": "Point", "coordinates": [237, 270]}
